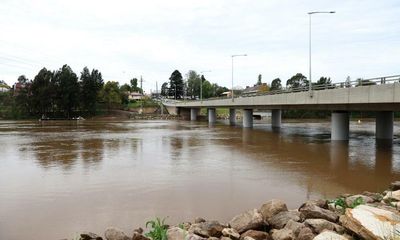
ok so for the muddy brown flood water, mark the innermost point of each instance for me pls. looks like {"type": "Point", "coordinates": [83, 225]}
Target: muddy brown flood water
{"type": "Point", "coordinates": [57, 179]}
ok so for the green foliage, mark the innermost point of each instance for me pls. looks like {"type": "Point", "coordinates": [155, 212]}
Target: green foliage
{"type": "Point", "coordinates": [193, 84]}
{"type": "Point", "coordinates": [164, 89]}
{"type": "Point", "coordinates": [276, 84]}
{"type": "Point", "coordinates": [296, 81]}
{"type": "Point", "coordinates": [91, 84]}
{"type": "Point", "coordinates": [111, 94]}
{"type": "Point", "coordinates": [176, 85]}
{"type": "Point", "coordinates": [67, 90]}
{"type": "Point", "coordinates": [42, 88]}
{"type": "Point", "coordinates": [341, 202]}
{"type": "Point", "coordinates": [158, 229]}
{"type": "Point", "coordinates": [134, 86]}
{"type": "Point", "coordinates": [259, 79]}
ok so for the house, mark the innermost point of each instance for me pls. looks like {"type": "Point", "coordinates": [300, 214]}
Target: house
{"type": "Point", "coordinates": [255, 89]}
{"type": "Point", "coordinates": [135, 96]}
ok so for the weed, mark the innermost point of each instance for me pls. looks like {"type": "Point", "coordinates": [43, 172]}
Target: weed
{"type": "Point", "coordinates": [158, 229]}
{"type": "Point", "coordinates": [341, 202]}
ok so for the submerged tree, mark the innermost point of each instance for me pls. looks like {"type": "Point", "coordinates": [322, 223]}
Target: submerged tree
{"type": "Point", "coordinates": [67, 90]}
{"type": "Point", "coordinates": [91, 84]}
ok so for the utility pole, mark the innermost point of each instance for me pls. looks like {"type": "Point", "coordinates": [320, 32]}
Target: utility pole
{"type": "Point", "coordinates": [141, 84]}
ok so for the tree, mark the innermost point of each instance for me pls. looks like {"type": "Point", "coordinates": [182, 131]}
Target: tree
{"type": "Point", "coordinates": [22, 97]}
{"type": "Point", "coordinates": [41, 90]}
{"type": "Point", "coordinates": [134, 86]}
{"type": "Point", "coordinates": [164, 89]}
{"type": "Point", "coordinates": [324, 83]}
{"type": "Point", "coordinates": [276, 84]}
{"type": "Point", "coordinates": [22, 79]}
{"type": "Point", "coordinates": [111, 94]}
{"type": "Point", "coordinates": [176, 85]}
{"type": "Point", "coordinates": [91, 84]}
{"type": "Point", "coordinates": [67, 90]}
{"type": "Point", "coordinates": [297, 81]}
{"type": "Point", "coordinates": [259, 82]}
{"type": "Point", "coordinates": [193, 84]}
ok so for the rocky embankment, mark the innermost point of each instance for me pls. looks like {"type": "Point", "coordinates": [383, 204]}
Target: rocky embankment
{"type": "Point", "coordinates": [362, 216]}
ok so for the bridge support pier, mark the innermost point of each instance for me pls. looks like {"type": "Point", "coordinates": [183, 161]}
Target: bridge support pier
{"type": "Point", "coordinates": [232, 116]}
{"type": "Point", "coordinates": [247, 118]}
{"type": "Point", "coordinates": [276, 118]}
{"type": "Point", "coordinates": [212, 115]}
{"type": "Point", "coordinates": [384, 125]}
{"type": "Point", "coordinates": [340, 125]}
{"type": "Point", "coordinates": [193, 114]}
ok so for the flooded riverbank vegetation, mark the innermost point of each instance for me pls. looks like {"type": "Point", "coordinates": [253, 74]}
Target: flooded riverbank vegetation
{"type": "Point", "coordinates": [362, 216]}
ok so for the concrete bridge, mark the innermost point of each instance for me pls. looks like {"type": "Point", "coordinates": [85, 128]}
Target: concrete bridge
{"type": "Point", "coordinates": [381, 95]}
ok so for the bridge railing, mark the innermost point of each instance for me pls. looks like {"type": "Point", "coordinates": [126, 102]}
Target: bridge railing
{"type": "Point", "coordinates": [315, 87]}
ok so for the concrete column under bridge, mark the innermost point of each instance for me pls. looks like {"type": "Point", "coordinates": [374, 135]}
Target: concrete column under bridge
{"type": "Point", "coordinates": [232, 116]}
{"type": "Point", "coordinates": [212, 115]}
{"type": "Point", "coordinates": [193, 114]}
{"type": "Point", "coordinates": [384, 125]}
{"type": "Point", "coordinates": [276, 118]}
{"type": "Point", "coordinates": [248, 118]}
{"type": "Point", "coordinates": [340, 125]}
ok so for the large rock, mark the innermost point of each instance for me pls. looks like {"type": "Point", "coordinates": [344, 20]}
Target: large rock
{"type": "Point", "coordinates": [251, 219]}
{"type": "Point", "coordinates": [295, 227]}
{"type": "Point", "coordinates": [282, 234]}
{"type": "Point", "coordinates": [271, 208]}
{"type": "Point", "coordinates": [115, 234]}
{"type": "Point", "coordinates": [207, 229]}
{"type": "Point", "coordinates": [305, 234]}
{"type": "Point", "coordinates": [139, 236]}
{"type": "Point", "coordinates": [371, 223]}
{"type": "Point", "coordinates": [329, 235]}
{"type": "Point", "coordinates": [312, 211]}
{"type": "Point", "coordinates": [319, 225]}
{"type": "Point", "coordinates": [230, 232]}
{"type": "Point", "coordinates": [392, 196]}
{"type": "Point", "coordinates": [176, 233]}
{"type": "Point", "coordinates": [395, 186]}
{"type": "Point", "coordinates": [192, 236]}
{"type": "Point", "coordinates": [279, 220]}
{"type": "Point", "coordinates": [352, 199]}
{"type": "Point", "coordinates": [90, 236]}
{"type": "Point", "coordinates": [256, 235]}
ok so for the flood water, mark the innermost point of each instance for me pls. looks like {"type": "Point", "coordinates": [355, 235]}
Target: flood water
{"type": "Point", "coordinates": [58, 179]}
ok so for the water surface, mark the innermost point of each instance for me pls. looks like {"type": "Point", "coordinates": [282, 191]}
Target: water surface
{"type": "Point", "coordinates": [60, 178]}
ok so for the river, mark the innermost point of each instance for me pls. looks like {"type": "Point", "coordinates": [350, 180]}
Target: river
{"type": "Point", "coordinates": [61, 178]}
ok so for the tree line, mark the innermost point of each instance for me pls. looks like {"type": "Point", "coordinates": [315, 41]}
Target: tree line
{"type": "Point", "coordinates": [62, 93]}
{"type": "Point", "coordinates": [194, 86]}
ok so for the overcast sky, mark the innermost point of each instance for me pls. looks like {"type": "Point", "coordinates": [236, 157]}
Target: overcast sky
{"type": "Point", "coordinates": [125, 39]}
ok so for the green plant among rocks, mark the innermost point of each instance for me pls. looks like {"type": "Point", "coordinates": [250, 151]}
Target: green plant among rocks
{"type": "Point", "coordinates": [158, 229]}
{"type": "Point", "coordinates": [341, 202]}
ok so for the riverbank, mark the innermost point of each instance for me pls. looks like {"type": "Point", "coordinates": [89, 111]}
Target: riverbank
{"type": "Point", "coordinates": [361, 216]}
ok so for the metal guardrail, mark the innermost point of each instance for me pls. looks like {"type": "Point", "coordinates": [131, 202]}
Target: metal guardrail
{"type": "Point", "coordinates": [315, 87]}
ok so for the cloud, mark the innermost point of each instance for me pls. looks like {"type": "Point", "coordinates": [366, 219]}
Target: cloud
{"type": "Point", "coordinates": [126, 39]}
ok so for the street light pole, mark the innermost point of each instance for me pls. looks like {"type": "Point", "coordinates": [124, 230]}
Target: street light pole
{"type": "Point", "coordinates": [309, 46]}
{"type": "Point", "coordinates": [201, 84]}
{"type": "Point", "coordinates": [236, 55]}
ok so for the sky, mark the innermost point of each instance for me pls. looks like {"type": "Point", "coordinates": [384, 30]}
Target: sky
{"type": "Point", "coordinates": [126, 39]}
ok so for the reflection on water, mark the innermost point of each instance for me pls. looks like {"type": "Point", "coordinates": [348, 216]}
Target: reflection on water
{"type": "Point", "coordinates": [58, 178]}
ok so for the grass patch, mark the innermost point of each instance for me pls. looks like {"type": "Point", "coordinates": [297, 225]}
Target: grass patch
{"type": "Point", "coordinates": [158, 229]}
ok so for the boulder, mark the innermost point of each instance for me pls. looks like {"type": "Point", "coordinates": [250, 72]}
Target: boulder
{"type": "Point", "coordinates": [89, 236]}
{"type": "Point", "coordinates": [282, 234]}
{"type": "Point", "coordinates": [318, 202]}
{"type": "Point", "coordinates": [329, 235]}
{"type": "Point", "coordinates": [139, 236]}
{"type": "Point", "coordinates": [251, 219]}
{"type": "Point", "coordinates": [230, 232]}
{"type": "Point", "coordinates": [294, 226]}
{"type": "Point", "coordinates": [115, 234]}
{"type": "Point", "coordinates": [192, 236]}
{"type": "Point", "coordinates": [279, 220]}
{"type": "Point", "coordinates": [256, 235]}
{"type": "Point", "coordinates": [225, 238]}
{"type": "Point", "coordinates": [392, 196]}
{"type": "Point", "coordinates": [395, 186]}
{"type": "Point", "coordinates": [305, 234]}
{"type": "Point", "coordinates": [312, 211]}
{"type": "Point", "coordinates": [212, 238]}
{"type": "Point", "coordinates": [207, 229]}
{"type": "Point", "coordinates": [176, 233]}
{"type": "Point", "coordinates": [352, 199]}
{"type": "Point", "coordinates": [376, 196]}
{"type": "Point", "coordinates": [248, 238]}
{"type": "Point", "coordinates": [199, 220]}
{"type": "Point", "coordinates": [319, 225]}
{"type": "Point", "coordinates": [271, 208]}
{"type": "Point", "coordinates": [370, 222]}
